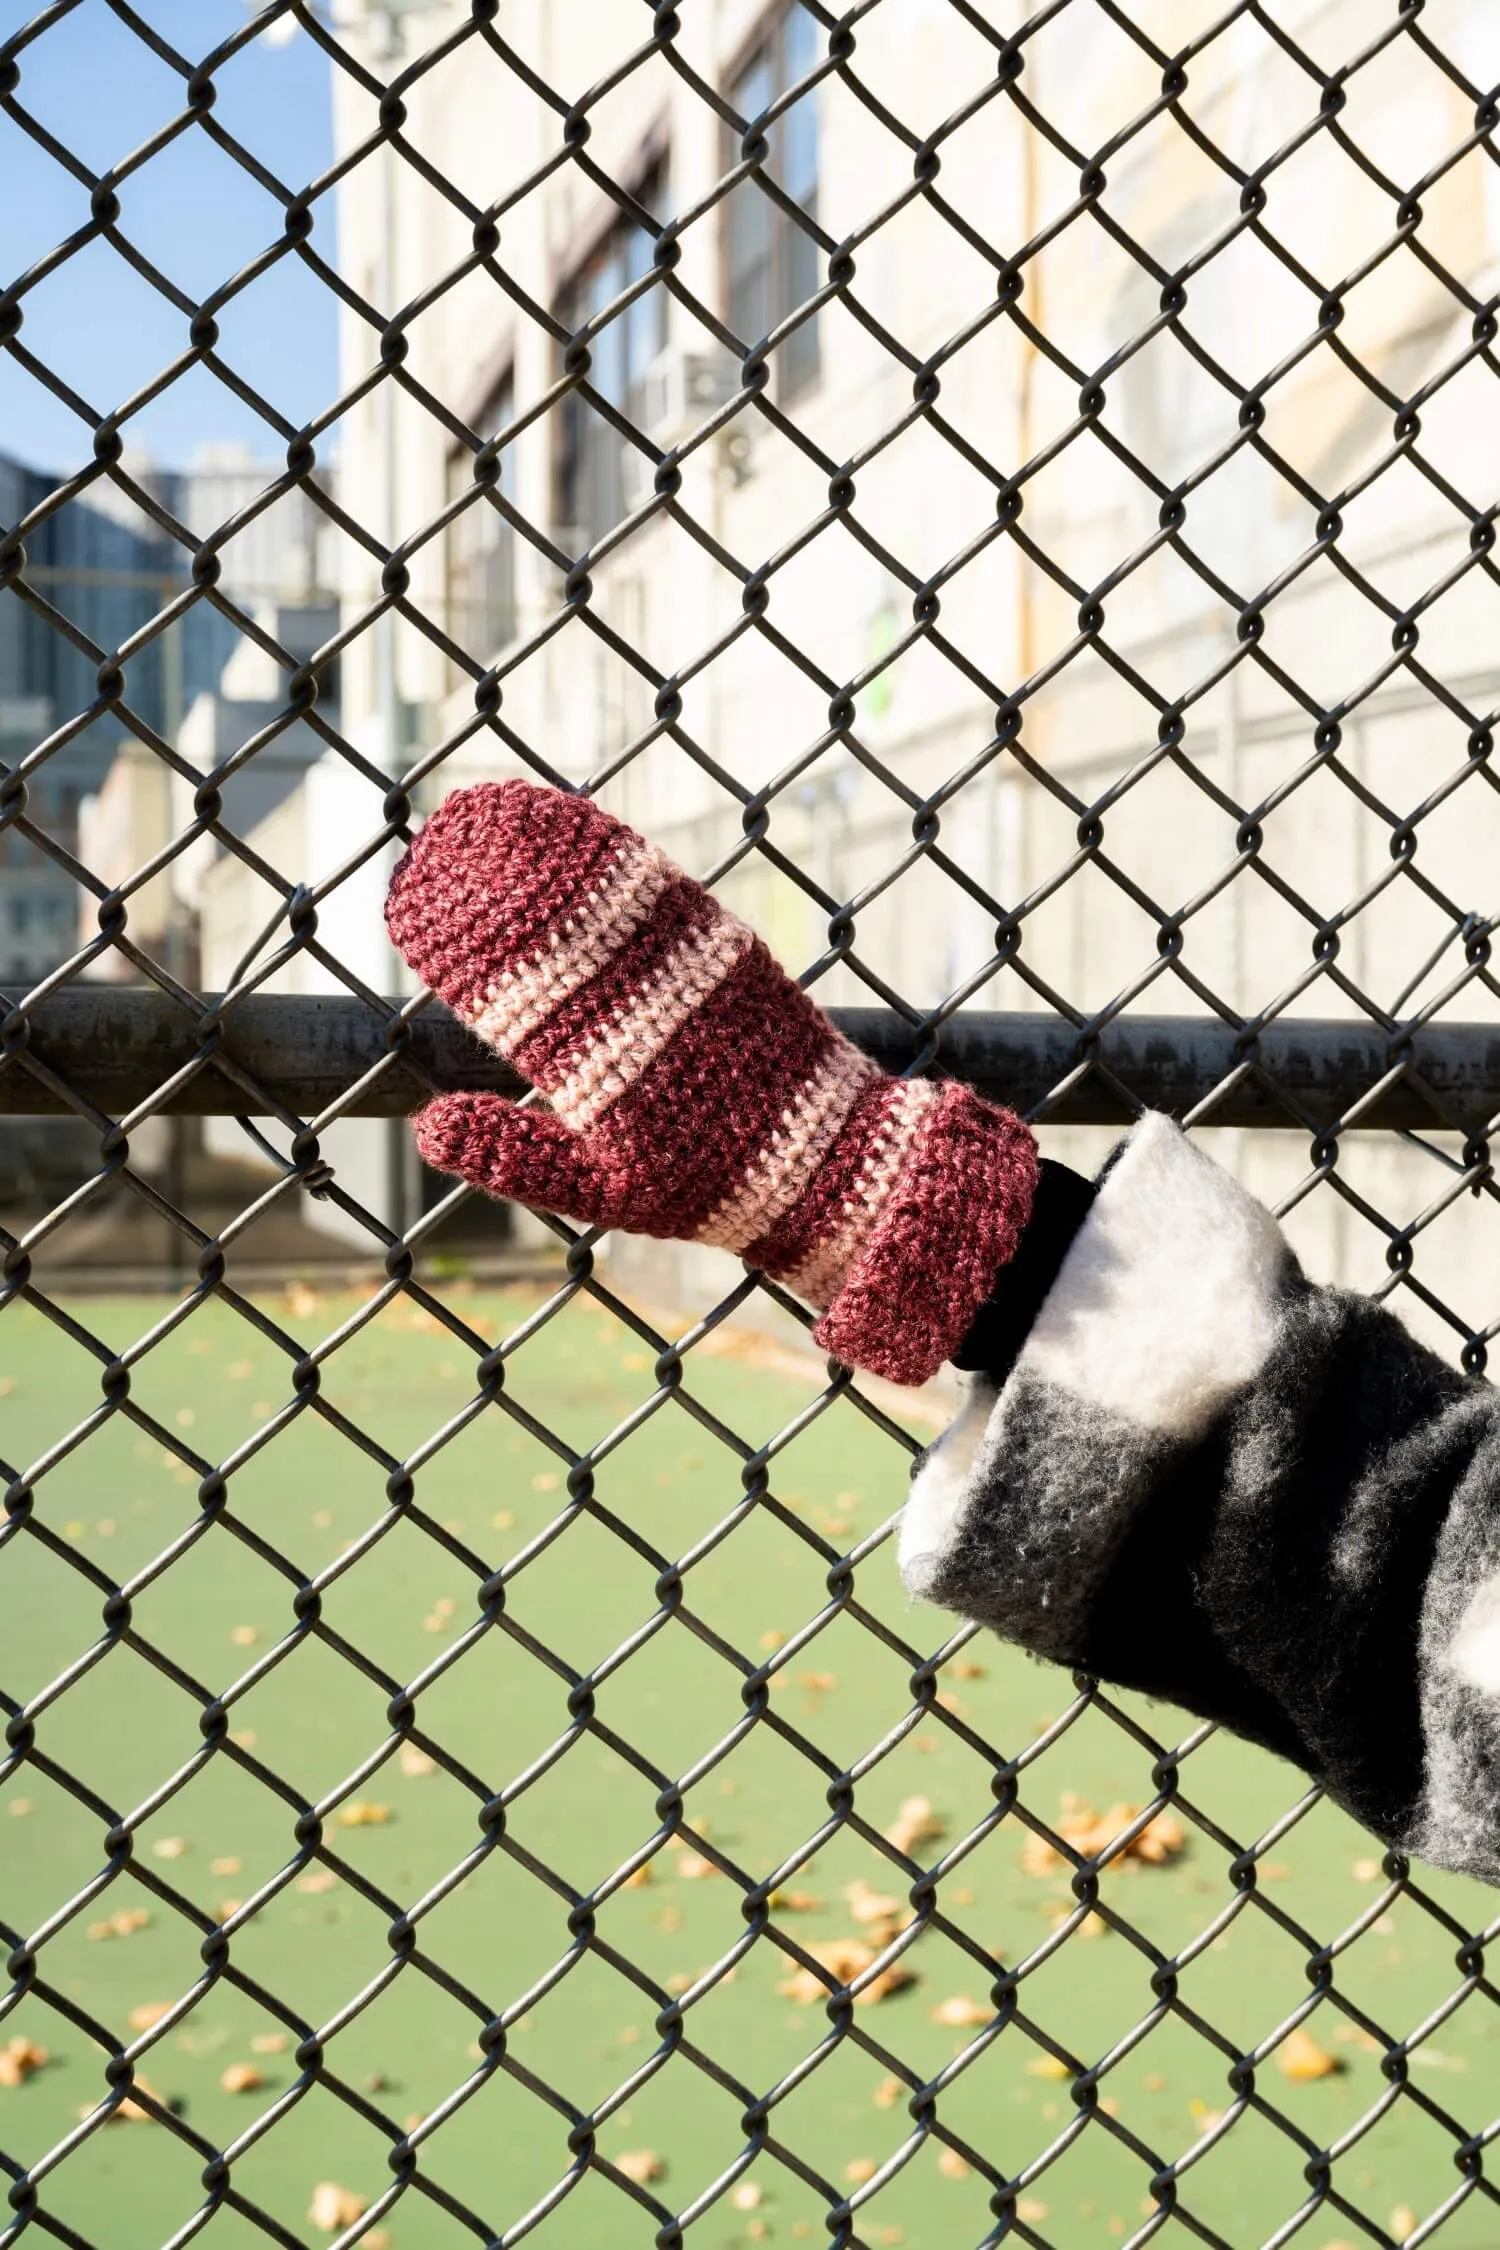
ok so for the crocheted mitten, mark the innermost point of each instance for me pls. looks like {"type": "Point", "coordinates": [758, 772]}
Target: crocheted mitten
{"type": "Point", "coordinates": [697, 1093]}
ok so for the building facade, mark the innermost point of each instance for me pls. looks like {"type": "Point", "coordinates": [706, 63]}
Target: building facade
{"type": "Point", "coordinates": [999, 568]}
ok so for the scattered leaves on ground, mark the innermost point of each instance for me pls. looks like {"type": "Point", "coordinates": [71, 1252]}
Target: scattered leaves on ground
{"type": "Point", "coordinates": [795, 1902]}
{"type": "Point", "coordinates": [844, 1959]}
{"type": "Point", "coordinates": [19, 2059]}
{"type": "Point", "coordinates": [960, 2011]}
{"type": "Point", "coordinates": [915, 1823]}
{"type": "Point", "coordinates": [123, 1923]}
{"type": "Point", "coordinates": [334, 2207]}
{"type": "Point", "coordinates": [1300, 2057]}
{"type": "Point", "coordinates": [642, 2165]}
{"type": "Point", "coordinates": [1091, 1833]}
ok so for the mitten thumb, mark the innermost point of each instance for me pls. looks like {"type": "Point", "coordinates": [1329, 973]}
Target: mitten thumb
{"type": "Point", "coordinates": [526, 1155]}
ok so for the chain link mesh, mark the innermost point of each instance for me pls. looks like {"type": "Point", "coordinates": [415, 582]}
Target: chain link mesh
{"type": "Point", "coordinates": [536, 1691]}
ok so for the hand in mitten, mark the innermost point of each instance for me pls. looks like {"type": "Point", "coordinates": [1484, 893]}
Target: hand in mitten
{"type": "Point", "coordinates": [697, 1093]}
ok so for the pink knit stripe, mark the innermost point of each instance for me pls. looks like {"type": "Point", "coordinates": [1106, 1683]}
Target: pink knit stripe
{"type": "Point", "coordinates": [546, 1054]}
{"type": "Point", "coordinates": [820, 1273]}
{"type": "Point", "coordinates": [619, 902]}
{"type": "Point", "coordinates": [781, 1171]}
{"type": "Point", "coordinates": [620, 1047]}
{"type": "Point", "coordinates": [690, 1125]}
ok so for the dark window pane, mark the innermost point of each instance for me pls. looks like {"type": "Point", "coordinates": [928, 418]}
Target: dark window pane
{"type": "Point", "coordinates": [482, 547]}
{"type": "Point", "coordinates": [771, 265]}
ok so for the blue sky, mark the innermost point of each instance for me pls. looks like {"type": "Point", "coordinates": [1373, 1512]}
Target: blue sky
{"type": "Point", "coordinates": [191, 210]}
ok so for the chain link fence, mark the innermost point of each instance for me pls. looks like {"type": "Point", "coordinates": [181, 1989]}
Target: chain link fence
{"type": "Point", "coordinates": [1011, 499]}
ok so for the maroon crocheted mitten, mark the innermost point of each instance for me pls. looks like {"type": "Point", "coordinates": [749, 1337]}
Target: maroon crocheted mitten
{"type": "Point", "coordinates": [697, 1093]}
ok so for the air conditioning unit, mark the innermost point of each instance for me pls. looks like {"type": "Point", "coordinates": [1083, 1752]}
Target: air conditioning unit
{"type": "Point", "coordinates": [679, 391]}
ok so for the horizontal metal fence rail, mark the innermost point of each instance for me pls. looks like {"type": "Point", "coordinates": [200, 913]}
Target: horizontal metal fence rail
{"type": "Point", "coordinates": [269, 1055]}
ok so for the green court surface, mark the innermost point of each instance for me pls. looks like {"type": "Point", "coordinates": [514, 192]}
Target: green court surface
{"type": "Point", "coordinates": [498, 1709]}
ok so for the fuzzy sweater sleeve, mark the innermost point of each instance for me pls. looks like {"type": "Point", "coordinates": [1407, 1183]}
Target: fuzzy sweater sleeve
{"type": "Point", "coordinates": [1207, 1479]}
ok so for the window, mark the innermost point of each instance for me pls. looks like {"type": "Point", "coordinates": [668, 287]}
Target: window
{"type": "Point", "coordinates": [591, 492]}
{"type": "Point", "coordinates": [481, 561]}
{"type": "Point", "coordinates": [773, 263]}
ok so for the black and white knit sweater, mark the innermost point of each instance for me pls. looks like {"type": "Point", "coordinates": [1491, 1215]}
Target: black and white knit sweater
{"type": "Point", "coordinates": [1207, 1479]}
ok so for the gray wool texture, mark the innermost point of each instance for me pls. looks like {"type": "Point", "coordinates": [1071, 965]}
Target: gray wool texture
{"type": "Point", "coordinates": [1311, 1557]}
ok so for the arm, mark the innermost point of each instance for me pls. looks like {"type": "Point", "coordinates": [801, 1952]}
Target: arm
{"type": "Point", "coordinates": [1204, 1478]}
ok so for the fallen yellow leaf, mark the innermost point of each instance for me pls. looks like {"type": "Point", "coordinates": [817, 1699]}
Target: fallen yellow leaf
{"type": "Point", "coordinates": [1048, 2066]}
{"type": "Point", "coordinates": [642, 2165]}
{"type": "Point", "coordinates": [859, 2169]}
{"type": "Point", "coordinates": [1403, 2221]}
{"type": "Point", "coordinates": [362, 1813]}
{"type": "Point", "coordinates": [334, 2207]}
{"type": "Point", "coordinates": [148, 2012]}
{"type": "Point", "coordinates": [19, 2060]}
{"type": "Point", "coordinates": [318, 1880]}
{"type": "Point", "coordinates": [1091, 1833]}
{"type": "Point", "coordinates": [270, 2043]}
{"type": "Point", "coordinates": [226, 1866]}
{"type": "Point", "coordinates": [245, 1636]}
{"type": "Point", "coordinates": [960, 2011]}
{"type": "Point", "coordinates": [915, 1823]}
{"type": "Point", "coordinates": [1300, 2057]}
{"type": "Point", "coordinates": [169, 1847]}
{"type": "Point", "coordinates": [745, 2196]}
{"type": "Point", "coordinates": [241, 2078]}
{"type": "Point", "coordinates": [20, 1808]}
{"type": "Point", "coordinates": [124, 1923]}
{"type": "Point", "coordinates": [888, 2093]}
{"type": "Point", "coordinates": [844, 1959]}
{"type": "Point", "coordinates": [952, 2165]}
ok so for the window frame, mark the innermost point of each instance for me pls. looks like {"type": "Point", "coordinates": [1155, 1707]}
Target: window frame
{"type": "Point", "coordinates": [767, 43]}
{"type": "Point", "coordinates": [611, 237]}
{"type": "Point", "coordinates": [496, 409]}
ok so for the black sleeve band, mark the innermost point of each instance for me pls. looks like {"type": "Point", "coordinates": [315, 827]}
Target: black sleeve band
{"type": "Point", "coordinates": [1003, 1321]}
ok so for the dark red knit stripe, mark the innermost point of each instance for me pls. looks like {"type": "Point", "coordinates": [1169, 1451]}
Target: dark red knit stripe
{"type": "Point", "coordinates": [576, 1022]}
{"type": "Point", "coordinates": [696, 1116]}
{"type": "Point", "coordinates": [952, 1220]}
{"type": "Point", "coordinates": [791, 1239]}
{"type": "Point", "coordinates": [496, 867]}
